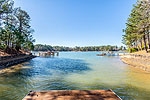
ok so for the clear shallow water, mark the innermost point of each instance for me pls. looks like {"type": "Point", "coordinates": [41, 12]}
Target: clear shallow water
{"type": "Point", "coordinates": [75, 71]}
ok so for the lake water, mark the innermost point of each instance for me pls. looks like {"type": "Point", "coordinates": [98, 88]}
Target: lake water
{"type": "Point", "coordinates": [75, 71]}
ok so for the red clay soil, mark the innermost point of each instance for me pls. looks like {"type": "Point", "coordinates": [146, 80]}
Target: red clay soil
{"type": "Point", "coordinates": [13, 57]}
{"type": "Point", "coordinates": [2, 53]}
{"type": "Point", "coordinates": [10, 52]}
{"type": "Point", "coordinates": [73, 95]}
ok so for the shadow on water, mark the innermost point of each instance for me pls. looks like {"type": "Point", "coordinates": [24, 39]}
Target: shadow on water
{"type": "Point", "coordinates": [47, 66]}
{"type": "Point", "coordinates": [43, 74]}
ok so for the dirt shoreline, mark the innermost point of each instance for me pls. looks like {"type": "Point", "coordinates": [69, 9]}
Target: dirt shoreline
{"type": "Point", "coordinates": [139, 61]}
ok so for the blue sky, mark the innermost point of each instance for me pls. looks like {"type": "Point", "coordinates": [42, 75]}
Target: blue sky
{"type": "Point", "coordinates": [77, 22]}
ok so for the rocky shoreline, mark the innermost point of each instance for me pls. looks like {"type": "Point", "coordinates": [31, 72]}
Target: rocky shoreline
{"type": "Point", "coordinates": [139, 61]}
{"type": "Point", "coordinates": [7, 61]}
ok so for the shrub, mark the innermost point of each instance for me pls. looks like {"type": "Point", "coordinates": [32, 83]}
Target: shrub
{"type": "Point", "coordinates": [134, 49]}
{"type": "Point", "coordinates": [131, 50]}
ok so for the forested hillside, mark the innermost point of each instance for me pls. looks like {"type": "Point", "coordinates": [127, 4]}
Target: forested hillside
{"type": "Point", "coordinates": [40, 47]}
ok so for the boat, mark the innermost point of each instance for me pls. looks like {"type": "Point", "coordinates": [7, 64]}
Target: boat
{"type": "Point", "coordinates": [109, 53]}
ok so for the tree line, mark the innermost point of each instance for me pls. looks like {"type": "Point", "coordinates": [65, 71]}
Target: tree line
{"type": "Point", "coordinates": [138, 27]}
{"type": "Point", "coordinates": [15, 28]}
{"type": "Point", "coordinates": [40, 47]}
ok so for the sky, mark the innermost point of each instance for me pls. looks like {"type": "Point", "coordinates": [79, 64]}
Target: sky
{"type": "Point", "coordinates": [77, 22]}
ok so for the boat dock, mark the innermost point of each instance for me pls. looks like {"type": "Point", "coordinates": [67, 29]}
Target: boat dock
{"type": "Point", "coordinates": [73, 95]}
{"type": "Point", "coordinates": [47, 54]}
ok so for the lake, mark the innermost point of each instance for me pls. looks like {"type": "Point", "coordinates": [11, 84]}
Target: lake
{"type": "Point", "coordinates": [75, 71]}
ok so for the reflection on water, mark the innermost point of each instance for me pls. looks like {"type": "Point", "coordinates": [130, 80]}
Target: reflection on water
{"type": "Point", "coordinates": [75, 71]}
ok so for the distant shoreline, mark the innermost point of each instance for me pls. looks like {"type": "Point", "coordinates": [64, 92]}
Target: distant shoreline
{"type": "Point", "coordinates": [78, 51]}
{"type": "Point", "coordinates": [41, 47]}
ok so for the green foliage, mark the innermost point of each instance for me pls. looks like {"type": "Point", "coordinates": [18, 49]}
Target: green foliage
{"type": "Point", "coordinates": [15, 29]}
{"type": "Point", "coordinates": [40, 47]}
{"type": "Point", "coordinates": [3, 47]}
{"type": "Point", "coordinates": [138, 25]}
{"type": "Point", "coordinates": [134, 49]}
{"type": "Point", "coordinates": [131, 50]}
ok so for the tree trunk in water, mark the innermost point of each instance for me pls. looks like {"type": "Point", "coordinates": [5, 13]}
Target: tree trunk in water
{"type": "Point", "coordinates": [145, 43]}
{"type": "Point", "coordinates": [148, 40]}
{"type": "Point", "coordinates": [141, 45]}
